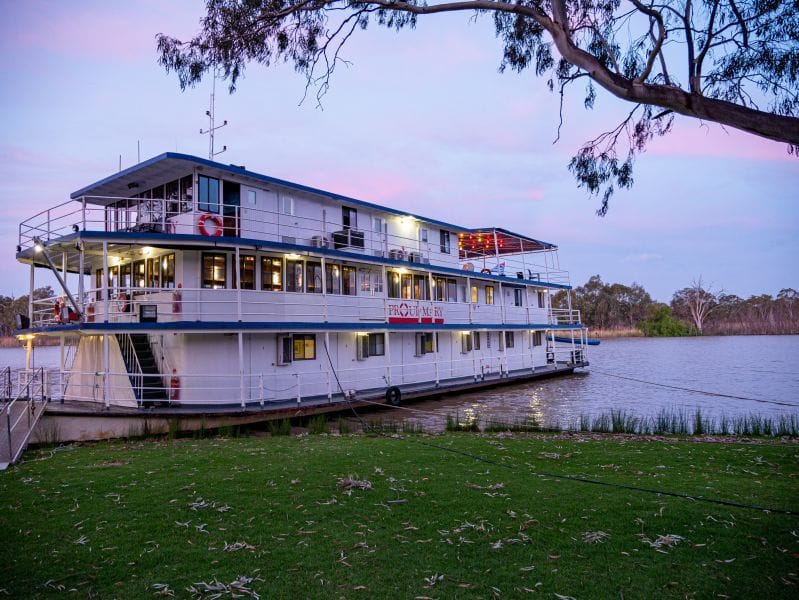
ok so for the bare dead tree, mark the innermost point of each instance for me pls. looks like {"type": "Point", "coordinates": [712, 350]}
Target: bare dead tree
{"type": "Point", "coordinates": [695, 302]}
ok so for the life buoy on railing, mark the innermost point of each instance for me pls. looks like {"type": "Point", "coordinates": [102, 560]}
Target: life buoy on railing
{"type": "Point", "coordinates": [486, 271]}
{"type": "Point", "coordinates": [123, 303]}
{"type": "Point", "coordinates": [217, 221]}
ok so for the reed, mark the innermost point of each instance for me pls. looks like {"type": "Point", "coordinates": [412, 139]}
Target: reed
{"type": "Point", "coordinates": [318, 425]}
{"type": "Point", "coordinates": [679, 422]}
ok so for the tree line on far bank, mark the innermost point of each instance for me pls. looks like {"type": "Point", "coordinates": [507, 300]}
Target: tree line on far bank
{"type": "Point", "coordinates": [693, 310]}
{"type": "Point", "coordinates": [10, 307]}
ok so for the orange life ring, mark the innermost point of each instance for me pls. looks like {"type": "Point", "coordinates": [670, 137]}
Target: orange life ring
{"type": "Point", "coordinates": [217, 223]}
{"type": "Point", "coordinates": [487, 271]}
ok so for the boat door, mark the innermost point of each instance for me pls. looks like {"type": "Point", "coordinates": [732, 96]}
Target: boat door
{"type": "Point", "coordinates": [258, 213]}
{"type": "Point", "coordinates": [379, 236]}
{"type": "Point", "coordinates": [371, 306]}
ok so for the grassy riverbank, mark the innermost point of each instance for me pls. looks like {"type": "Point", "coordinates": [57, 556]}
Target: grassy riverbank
{"type": "Point", "coordinates": [370, 516]}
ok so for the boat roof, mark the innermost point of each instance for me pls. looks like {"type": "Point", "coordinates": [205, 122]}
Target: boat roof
{"type": "Point", "coordinates": [172, 165]}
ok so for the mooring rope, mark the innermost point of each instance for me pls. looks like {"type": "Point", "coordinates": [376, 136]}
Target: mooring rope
{"type": "Point", "coordinates": [575, 478]}
{"type": "Point", "coordinates": [686, 389]}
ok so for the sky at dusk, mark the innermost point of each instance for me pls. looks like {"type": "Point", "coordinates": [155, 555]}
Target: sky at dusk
{"type": "Point", "coordinates": [419, 120]}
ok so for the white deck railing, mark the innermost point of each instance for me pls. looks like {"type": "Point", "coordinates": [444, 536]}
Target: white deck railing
{"type": "Point", "coordinates": [297, 383]}
{"type": "Point", "coordinates": [253, 306]}
{"type": "Point", "coordinates": [176, 217]}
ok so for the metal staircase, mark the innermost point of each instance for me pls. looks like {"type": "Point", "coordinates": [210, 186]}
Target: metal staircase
{"type": "Point", "coordinates": [21, 416]}
{"type": "Point", "coordinates": [147, 381]}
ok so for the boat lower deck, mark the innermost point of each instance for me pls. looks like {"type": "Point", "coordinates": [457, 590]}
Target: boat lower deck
{"type": "Point", "coordinates": [76, 420]}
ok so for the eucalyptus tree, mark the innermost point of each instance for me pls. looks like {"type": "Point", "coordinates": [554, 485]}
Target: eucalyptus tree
{"type": "Point", "coordinates": [732, 62]}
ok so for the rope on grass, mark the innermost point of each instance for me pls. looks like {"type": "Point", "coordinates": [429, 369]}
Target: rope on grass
{"type": "Point", "coordinates": [586, 480]}
{"type": "Point", "coordinates": [685, 389]}
{"type": "Point", "coordinates": [621, 486]}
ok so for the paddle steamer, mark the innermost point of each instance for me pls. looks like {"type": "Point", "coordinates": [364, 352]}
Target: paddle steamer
{"type": "Point", "coordinates": [197, 286]}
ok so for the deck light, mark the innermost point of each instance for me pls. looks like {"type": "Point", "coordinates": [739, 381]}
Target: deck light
{"type": "Point", "coordinates": [38, 247]}
{"type": "Point", "coordinates": [147, 250]}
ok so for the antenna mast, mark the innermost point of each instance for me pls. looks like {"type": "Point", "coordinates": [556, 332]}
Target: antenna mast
{"type": "Point", "coordinates": [211, 127]}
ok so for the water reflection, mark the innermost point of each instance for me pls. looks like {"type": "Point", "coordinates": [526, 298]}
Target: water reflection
{"type": "Point", "coordinates": [758, 369]}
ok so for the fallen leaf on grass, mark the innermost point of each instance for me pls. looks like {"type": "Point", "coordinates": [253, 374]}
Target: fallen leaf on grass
{"type": "Point", "coordinates": [349, 483]}
{"type": "Point", "coordinates": [216, 589]}
{"type": "Point", "coordinates": [236, 546]}
{"type": "Point", "coordinates": [163, 589]}
{"type": "Point", "coordinates": [595, 537]}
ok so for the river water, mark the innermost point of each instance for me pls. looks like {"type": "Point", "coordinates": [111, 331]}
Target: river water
{"type": "Point", "coordinates": [644, 376]}
{"type": "Point", "coordinates": [739, 375]}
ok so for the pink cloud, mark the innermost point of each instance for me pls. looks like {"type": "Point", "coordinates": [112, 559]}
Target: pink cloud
{"type": "Point", "coordinates": [97, 32]}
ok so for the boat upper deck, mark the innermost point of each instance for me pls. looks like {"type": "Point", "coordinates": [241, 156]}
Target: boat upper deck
{"type": "Point", "coordinates": [177, 199]}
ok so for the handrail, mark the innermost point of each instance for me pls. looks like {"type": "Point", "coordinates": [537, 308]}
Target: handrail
{"type": "Point", "coordinates": [204, 304]}
{"type": "Point", "coordinates": [296, 382]}
{"type": "Point", "coordinates": [173, 216]}
{"type": "Point", "coordinates": [132, 364]}
{"type": "Point", "coordinates": [5, 375]}
{"type": "Point", "coordinates": [28, 411]}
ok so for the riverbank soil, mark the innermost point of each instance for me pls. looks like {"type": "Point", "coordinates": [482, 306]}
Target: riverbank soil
{"type": "Point", "coordinates": [454, 515]}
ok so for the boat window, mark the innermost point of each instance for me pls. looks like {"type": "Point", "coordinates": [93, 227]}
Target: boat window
{"type": "Point", "coordinates": [475, 296]}
{"type": "Point", "coordinates": [509, 339]}
{"type": "Point", "coordinates": [186, 194]}
{"type": "Point", "coordinates": [476, 340]}
{"type": "Point", "coordinates": [271, 274]}
{"type": "Point", "coordinates": [333, 278]}
{"type": "Point", "coordinates": [98, 282]}
{"type": "Point", "coordinates": [371, 281]}
{"type": "Point", "coordinates": [172, 195]}
{"type": "Point", "coordinates": [168, 271]}
{"type": "Point", "coordinates": [489, 294]}
{"type": "Point", "coordinates": [541, 299]}
{"type": "Point", "coordinates": [139, 274]}
{"type": "Point", "coordinates": [286, 205]}
{"type": "Point", "coordinates": [125, 275]}
{"type": "Point", "coordinates": [445, 244]}
{"type": "Point", "coordinates": [294, 276]}
{"type": "Point", "coordinates": [422, 235]}
{"type": "Point", "coordinates": [420, 288]}
{"type": "Point", "coordinates": [304, 346]}
{"type": "Point", "coordinates": [113, 277]}
{"type": "Point", "coordinates": [208, 200]}
{"type": "Point", "coordinates": [214, 271]}
{"type": "Point", "coordinates": [452, 290]}
{"type": "Point", "coordinates": [466, 342]}
{"type": "Point", "coordinates": [313, 274]}
{"type": "Point", "coordinates": [153, 277]}
{"type": "Point", "coordinates": [424, 343]}
{"type": "Point", "coordinates": [348, 275]}
{"type": "Point", "coordinates": [393, 284]}
{"type": "Point", "coordinates": [537, 341]}
{"type": "Point", "coordinates": [247, 272]}
{"type": "Point", "coordinates": [377, 344]}
{"type": "Point", "coordinates": [372, 344]}
{"type": "Point", "coordinates": [407, 286]}
{"type": "Point", "coordinates": [517, 297]}
{"type": "Point", "coordinates": [439, 289]}
{"type": "Point", "coordinates": [349, 217]}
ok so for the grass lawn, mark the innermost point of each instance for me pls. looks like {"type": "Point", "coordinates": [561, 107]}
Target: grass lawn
{"type": "Point", "coordinates": [271, 516]}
